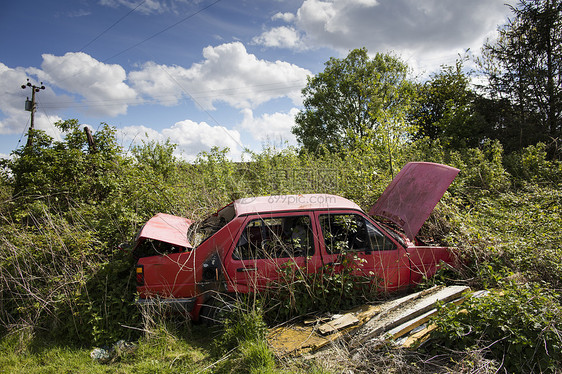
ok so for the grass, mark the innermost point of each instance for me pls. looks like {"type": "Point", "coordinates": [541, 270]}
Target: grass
{"type": "Point", "coordinates": [168, 348]}
{"type": "Point", "coordinates": [161, 351]}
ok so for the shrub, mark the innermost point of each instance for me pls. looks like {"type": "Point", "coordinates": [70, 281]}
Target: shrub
{"type": "Point", "coordinates": [531, 164]}
{"type": "Point", "coordinates": [243, 340]}
{"type": "Point", "coordinates": [241, 325]}
{"type": "Point", "coordinates": [332, 289]}
{"type": "Point", "coordinates": [517, 325]}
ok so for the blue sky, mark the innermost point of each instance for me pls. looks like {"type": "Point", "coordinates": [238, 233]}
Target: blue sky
{"type": "Point", "coordinates": [206, 73]}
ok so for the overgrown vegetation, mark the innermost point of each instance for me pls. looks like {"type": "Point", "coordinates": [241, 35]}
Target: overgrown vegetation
{"type": "Point", "coordinates": [66, 287]}
{"type": "Point", "coordinates": [64, 280]}
{"type": "Point", "coordinates": [517, 325]}
{"type": "Point", "coordinates": [334, 288]}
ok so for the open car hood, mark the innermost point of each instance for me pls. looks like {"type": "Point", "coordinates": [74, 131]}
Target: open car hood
{"type": "Point", "coordinates": [167, 228]}
{"type": "Point", "coordinates": [412, 195]}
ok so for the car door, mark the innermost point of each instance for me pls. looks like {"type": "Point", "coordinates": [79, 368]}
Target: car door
{"type": "Point", "coordinates": [272, 249]}
{"type": "Point", "coordinates": [349, 238]}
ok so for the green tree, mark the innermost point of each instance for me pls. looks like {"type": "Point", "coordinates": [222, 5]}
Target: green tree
{"type": "Point", "coordinates": [354, 98]}
{"type": "Point", "coordinates": [524, 65]}
{"type": "Point", "coordinates": [67, 170]}
{"type": "Point", "coordinates": [446, 109]}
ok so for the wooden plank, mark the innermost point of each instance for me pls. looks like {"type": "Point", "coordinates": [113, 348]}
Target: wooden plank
{"type": "Point", "coordinates": [411, 324]}
{"type": "Point", "coordinates": [289, 340]}
{"type": "Point", "coordinates": [316, 321]}
{"type": "Point", "coordinates": [422, 335]}
{"type": "Point", "coordinates": [404, 311]}
{"type": "Point", "coordinates": [299, 339]}
{"type": "Point", "coordinates": [419, 337]}
{"type": "Point", "coordinates": [408, 326]}
{"type": "Point", "coordinates": [399, 316]}
{"type": "Point", "coordinates": [339, 323]}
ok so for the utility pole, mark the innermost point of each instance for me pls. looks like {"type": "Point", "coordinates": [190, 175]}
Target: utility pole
{"type": "Point", "coordinates": [30, 107]}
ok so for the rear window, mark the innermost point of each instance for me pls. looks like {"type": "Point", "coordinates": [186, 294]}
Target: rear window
{"type": "Point", "coordinates": [151, 247]}
{"type": "Point", "coordinates": [352, 232]}
{"type": "Point", "coordinates": [200, 231]}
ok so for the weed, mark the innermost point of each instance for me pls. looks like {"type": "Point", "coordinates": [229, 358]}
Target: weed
{"type": "Point", "coordinates": [517, 325]}
{"type": "Point", "coordinates": [332, 289]}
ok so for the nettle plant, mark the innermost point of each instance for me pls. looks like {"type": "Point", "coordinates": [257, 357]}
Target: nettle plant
{"type": "Point", "coordinates": [335, 287]}
{"type": "Point", "coordinates": [518, 326]}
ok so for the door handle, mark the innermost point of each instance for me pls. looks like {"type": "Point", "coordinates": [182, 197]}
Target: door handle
{"type": "Point", "coordinates": [243, 270]}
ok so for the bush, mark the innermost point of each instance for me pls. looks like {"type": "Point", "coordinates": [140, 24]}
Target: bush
{"type": "Point", "coordinates": [531, 165]}
{"type": "Point", "coordinates": [71, 205]}
{"type": "Point", "coordinates": [243, 340]}
{"type": "Point", "coordinates": [518, 326]}
{"type": "Point", "coordinates": [332, 289]}
{"type": "Point", "coordinates": [241, 325]}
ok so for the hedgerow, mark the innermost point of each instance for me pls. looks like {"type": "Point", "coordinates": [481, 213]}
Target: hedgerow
{"type": "Point", "coordinates": [65, 207]}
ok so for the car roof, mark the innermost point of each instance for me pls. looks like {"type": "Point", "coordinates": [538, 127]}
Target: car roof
{"type": "Point", "coordinates": [284, 203]}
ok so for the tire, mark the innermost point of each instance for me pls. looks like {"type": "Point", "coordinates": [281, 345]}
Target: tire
{"type": "Point", "coordinates": [216, 309]}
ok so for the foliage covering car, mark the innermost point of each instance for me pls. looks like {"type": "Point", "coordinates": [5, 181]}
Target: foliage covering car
{"type": "Point", "coordinates": [241, 247]}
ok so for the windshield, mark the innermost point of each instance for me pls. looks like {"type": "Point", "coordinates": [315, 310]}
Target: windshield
{"type": "Point", "coordinates": [390, 231]}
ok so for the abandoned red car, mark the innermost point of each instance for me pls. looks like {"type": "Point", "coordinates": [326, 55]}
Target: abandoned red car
{"type": "Point", "coordinates": [240, 248]}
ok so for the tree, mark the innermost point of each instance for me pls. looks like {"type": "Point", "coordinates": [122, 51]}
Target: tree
{"type": "Point", "coordinates": [445, 109]}
{"type": "Point", "coordinates": [352, 99]}
{"type": "Point", "coordinates": [524, 66]}
{"type": "Point", "coordinates": [68, 169]}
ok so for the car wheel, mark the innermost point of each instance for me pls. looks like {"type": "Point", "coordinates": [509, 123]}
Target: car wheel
{"type": "Point", "coordinates": [216, 309]}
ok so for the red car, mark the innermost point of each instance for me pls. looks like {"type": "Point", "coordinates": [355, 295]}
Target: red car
{"type": "Point", "coordinates": [241, 247]}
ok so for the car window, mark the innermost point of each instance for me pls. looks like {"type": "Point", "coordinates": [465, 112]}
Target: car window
{"type": "Point", "coordinates": [151, 247]}
{"type": "Point", "coordinates": [202, 230]}
{"type": "Point", "coordinates": [280, 237]}
{"type": "Point", "coordinates": [352, 232]}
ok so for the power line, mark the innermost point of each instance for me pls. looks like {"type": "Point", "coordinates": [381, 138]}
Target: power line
{"type": "Point", "coordinates": [146, 39]}
{"type": "Point", "coordinates": [162, 31]}
{"type": "Point", "coordinates": [113, 25]}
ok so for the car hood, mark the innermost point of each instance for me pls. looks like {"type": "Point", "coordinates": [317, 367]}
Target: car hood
{"type": "Point", "coordinates": [412, 195]}
{"type": "Point", "coordinates": [166, 228]}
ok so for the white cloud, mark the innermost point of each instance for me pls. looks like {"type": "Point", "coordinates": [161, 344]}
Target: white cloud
{"type": "Point", "coordinates": [280, 37]}
{"type": "Point", "coordinates": [424, 33]}
{"type": "Point", "coordinates": [191, 138]}
{"type": "Point", "coordinates": [147, 6]}
{"type": "Point", "coordinates": [101, 85]}
{"type": "Point", "coordinates": [399, 24]}
{"type": "Point", "coordinates": [270, 127]}
{"type": "Point", "coordinates": [287, 17]}
{"type": "Point", "coordinates": [162, 83]}
{"type": "Point", "coordinates": [227, 74]}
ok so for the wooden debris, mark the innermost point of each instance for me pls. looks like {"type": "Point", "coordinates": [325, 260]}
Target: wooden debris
{"type": "Point", "coordinates": [418, 337]}
{"type": "Point", "coordinates": [304, 338]}
{"type": "Point", "coordinates": [394, 319]}
{"type": "Point", "coordinates": [404, 310]}
{"type": "Point", "coordinates": [316, 321]}
{"type": "Point", "coordinates": [413, 323]}
{"type": "Point", "coordinates": [339, 323]}
{"type": "Point", "coordinates": [287, 340]}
